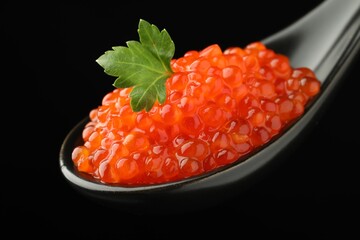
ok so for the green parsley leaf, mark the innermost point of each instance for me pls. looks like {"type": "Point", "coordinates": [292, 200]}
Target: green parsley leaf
{"type": "Point", "coordinates": [144, 65]}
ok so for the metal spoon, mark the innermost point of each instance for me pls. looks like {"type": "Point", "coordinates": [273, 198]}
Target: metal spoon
{"type": "Point", "coordinates": [326, 40]}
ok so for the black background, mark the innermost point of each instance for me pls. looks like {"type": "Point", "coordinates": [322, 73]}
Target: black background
{"type": "Point", "coordinates": [51, 81]}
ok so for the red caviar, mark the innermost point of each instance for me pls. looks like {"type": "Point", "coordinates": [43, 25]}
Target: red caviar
{"type": "Point", "coordinates": [220, 105]}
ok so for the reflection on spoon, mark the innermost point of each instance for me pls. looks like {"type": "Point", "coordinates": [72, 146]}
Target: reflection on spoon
{"type": "Point", "coordinates": [308, 42]}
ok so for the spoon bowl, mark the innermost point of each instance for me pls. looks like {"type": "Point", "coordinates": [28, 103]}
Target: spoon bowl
{"type": "Point", "coordinates": [310, 42]}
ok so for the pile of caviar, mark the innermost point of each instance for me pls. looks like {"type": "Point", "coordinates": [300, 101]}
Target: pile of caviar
{"type": "Point", "coordinates": [220, 106]}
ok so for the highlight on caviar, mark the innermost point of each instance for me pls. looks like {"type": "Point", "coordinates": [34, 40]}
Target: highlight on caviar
{"type": "Point", "coordinates": [170, 119]}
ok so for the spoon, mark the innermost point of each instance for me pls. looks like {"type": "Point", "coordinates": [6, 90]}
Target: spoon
{"type": "Point", "coordinates": [325, 40]}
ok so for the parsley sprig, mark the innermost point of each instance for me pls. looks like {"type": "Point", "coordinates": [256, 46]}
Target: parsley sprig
{"type": "Point", "coordinates": [143, 65]}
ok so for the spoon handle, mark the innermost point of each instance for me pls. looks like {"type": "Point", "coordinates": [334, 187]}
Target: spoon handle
{"type": "Point", "coordinates": [312, 38]}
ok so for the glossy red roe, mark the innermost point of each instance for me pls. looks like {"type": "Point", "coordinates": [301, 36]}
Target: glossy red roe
{"type": "Point", "coordinates": [220, 105]}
